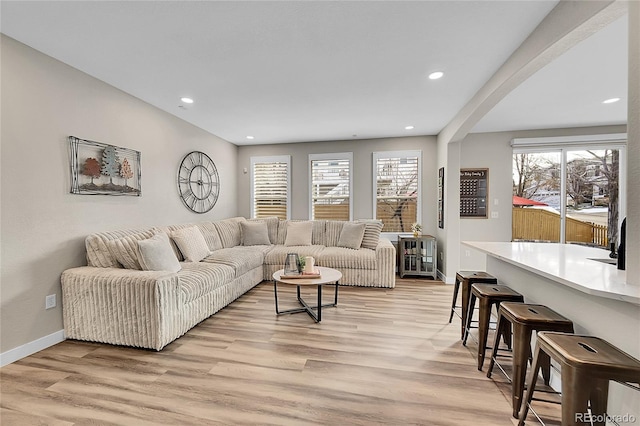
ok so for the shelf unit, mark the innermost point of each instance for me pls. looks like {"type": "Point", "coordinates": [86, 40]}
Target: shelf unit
{"type": "Point", "coordinates": [418, 256]}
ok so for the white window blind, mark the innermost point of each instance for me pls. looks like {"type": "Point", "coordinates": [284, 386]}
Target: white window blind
{"type": "Point", "coordinates": [270, 186]}
{"type": "Point", "coordinates": [331, 186]}
{"type": "Point", "coordinates": [397, 189]}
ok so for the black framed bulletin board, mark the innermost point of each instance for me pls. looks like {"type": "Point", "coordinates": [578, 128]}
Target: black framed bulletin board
{"type": "Point", "coordinates": [474, 193]}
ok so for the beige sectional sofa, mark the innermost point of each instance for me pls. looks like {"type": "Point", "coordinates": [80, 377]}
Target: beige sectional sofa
{"type": "Point", "coordinates": [106, 302]}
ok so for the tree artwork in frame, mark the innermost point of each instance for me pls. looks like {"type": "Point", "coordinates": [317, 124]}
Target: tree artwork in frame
{"type": "Point", "coordinates": [102, 169]}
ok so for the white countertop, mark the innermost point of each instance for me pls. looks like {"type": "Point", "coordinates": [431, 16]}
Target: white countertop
{"type": "Point", "coordinates": [567, 264]}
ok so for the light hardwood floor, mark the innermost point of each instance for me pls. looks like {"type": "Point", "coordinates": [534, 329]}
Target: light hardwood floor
{"type": "Point", "coordinates": [382, 356]}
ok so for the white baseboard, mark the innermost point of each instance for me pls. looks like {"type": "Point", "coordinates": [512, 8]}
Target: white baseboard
{"type": "Point", "coordinates": [442, 277]}
{"type": "Point", "coordinates": [31, 348]}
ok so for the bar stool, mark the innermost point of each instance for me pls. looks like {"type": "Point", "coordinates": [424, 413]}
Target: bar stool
{"type": "Point", "coordinates": [587, 364]}
{"type": "Point", "coordinates": [523, 319]}
{"type": "Point", "coordinates": [467, 279]}
{"type": "Point", "coordinates": [488, 295]}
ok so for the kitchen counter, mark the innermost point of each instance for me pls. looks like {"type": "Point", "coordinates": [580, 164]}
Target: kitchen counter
{"type": "Point", "coordinates": [568, 264]}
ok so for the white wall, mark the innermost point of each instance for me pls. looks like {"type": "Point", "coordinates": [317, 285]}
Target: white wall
{"type": "Point", "coordinates": [633, 151]}
{"type": "Point", "coordinates": [43, 226]}
{"type": "Point", "coordinates": [362, 173]}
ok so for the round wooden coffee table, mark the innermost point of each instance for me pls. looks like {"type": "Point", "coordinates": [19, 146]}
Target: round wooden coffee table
{"type": "Point", "coordinates": [328, 276]}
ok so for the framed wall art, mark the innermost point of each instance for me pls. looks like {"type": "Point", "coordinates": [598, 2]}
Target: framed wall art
{"type": "Point", "coordinates": [102, 169]}
{"type": "Point", "coordinates": [441, 198]}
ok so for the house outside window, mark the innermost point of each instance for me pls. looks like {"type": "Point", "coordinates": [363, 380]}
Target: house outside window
{"type": "Point", "coordinates": [331, 186]}
{"type": "Point", "coordinates": [397, 189]}
{"type": "Point", "coordinates": [271, 186]}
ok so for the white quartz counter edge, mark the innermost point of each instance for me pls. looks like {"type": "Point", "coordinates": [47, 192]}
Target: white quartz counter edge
{"type": "Point", "coordinates": [567, 264]}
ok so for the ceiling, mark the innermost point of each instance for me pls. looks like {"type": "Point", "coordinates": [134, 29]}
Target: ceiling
{"type": "Point", "coordinates": [322, 70]}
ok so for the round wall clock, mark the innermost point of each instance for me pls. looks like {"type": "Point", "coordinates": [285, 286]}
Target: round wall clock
{"type": "Point", "coordinates": [198, 182]}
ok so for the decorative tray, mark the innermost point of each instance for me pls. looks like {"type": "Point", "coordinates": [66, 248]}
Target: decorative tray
{"type": "Point", "coordinates": [301, 275]}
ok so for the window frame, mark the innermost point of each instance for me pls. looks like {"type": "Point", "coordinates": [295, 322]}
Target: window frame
{"type": "Point", "coordinates": [269, 159]}
{"type": "Point", "coordinates": [337, 156]}
{"type": "Point", "coordinates": [566, 144]}
{"type": "Point", "coordinates": [377, 155]}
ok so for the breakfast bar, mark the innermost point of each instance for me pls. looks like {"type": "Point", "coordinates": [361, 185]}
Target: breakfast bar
{"type": "Point", "coordinates": [581, 283]}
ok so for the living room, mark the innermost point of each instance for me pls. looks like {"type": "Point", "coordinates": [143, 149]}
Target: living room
{"type": "Point", "coordinates": [44, 226]}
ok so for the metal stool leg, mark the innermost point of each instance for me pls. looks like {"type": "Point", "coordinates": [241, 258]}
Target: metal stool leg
{"type": "Point", "coordinates": [483, 328]}
{"type": "Point", "coordinates": [456, 288]}
{"type": "Point", "coordinates": [539, 357]}
{"type": "Point", "coordinates": [467, 325]}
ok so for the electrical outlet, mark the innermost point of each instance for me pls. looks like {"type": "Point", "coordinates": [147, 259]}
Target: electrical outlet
{"type": "Point", "coordinates": [495, 202]}
{"type": "Point", "coordinates": [467, 253]}
{"type": "Point", "coordinates": [494, 215]}
{"type": "Point", "coordinates": [50, 301]}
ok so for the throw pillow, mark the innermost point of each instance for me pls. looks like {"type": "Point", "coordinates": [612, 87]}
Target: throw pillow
{"type": "Point", "coordinates": [371, 233]}
{"type": "Point", "coordinates": [191, 243]}
{"type": "Point", "coordinates": [299, 233]}
{"type": "Point", "coordinates": [351, 235]}
{"type": "Point", "coordinates": [125, 249]}
{"type": "Point", "coordinates": [254, 233]}
{"type": "Point", "coordinates": [156, 254]}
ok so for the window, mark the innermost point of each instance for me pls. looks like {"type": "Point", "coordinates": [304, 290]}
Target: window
{"type": "Point", "coordinates": [571, 189]}
{"type": "Point", "coordinates": [271, 186]}
{"type": "Point", "coordinates": [396, 185]}
{"type": "Point", "coordinates": [331, 187]}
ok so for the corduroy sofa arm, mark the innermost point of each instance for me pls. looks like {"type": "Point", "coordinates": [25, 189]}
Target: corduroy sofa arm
{"type": "Point", "coordinates": [386, 262]}
{"type": "Point", "coordinates": [121, 306]}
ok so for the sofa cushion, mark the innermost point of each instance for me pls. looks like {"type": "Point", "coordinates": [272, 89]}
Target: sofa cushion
{"type": "Point", "coordinates": [351, 235]}
{"type": "Point", "coordinates": [371, 233]}
{"type": "Point", "coordinates": [191, 243]}
{"type": "Point", "coordinates": [198, 279]}
{"type": "Point", "coordinates": [317, 233]}
{"type": "Point", "coordinates": [333, 230]}
{"type": "Point", "coordinates": [277, 255]}
{"type": "Point", "coordinates": [156, 254]}
{"type": "Point", "coordinates": [229, 231]}
{"type": "Point", "coordinates": [272, 227]}
{"type": "Point", "coordinates": [241, 259]}
{"type": "Point", "coordinates": [125, 249]}
{"type": "Point", "coordinates": [299, 234]}
{"type": "Point", "coordinates": [344, 258]}
{"type": "Point", "coordinates": [254, 233]}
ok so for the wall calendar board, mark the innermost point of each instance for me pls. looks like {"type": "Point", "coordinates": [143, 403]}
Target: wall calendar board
{"type": "Point", "coordinates": [441, 198]}
{"type": "Point", "coordinates": [474, 193]}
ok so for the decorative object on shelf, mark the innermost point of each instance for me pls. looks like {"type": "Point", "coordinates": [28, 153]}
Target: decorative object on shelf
{"type": "Point", "coordinates": [441, 198]}
{"type": "Point", "coordinates": [417, 229]}
{"type": "Point", "coordinates": [198, 182]}
{"type": "Point", "coordinates": [101, 169]}
{"type": "Point", "coordinates": [474, 193]}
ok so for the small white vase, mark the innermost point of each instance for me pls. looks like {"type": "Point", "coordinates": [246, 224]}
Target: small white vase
{"type": "Point", "coordinates": [309, 265]}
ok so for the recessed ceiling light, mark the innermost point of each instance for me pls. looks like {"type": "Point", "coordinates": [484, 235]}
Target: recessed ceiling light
{"type": "Point", "coordinates": [610, 101]}
{"type": "Point", "coordinates": [249, 137]}
{"type": "Point", "coordinates": [436, 75]}
{"type": "Point", "coordinates": [187, 100]}
{"type": "Point", "coordinates": [408, 127]}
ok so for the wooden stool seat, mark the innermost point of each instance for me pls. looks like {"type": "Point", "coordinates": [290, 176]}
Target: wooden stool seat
{"type": "Point", "coordinates": [488, 295]}
{"type": "Point", "coordinates": [523, 319]}
{"type": "Point", "coordinates": [587, 365]}
{"type": "Point", "coordinates": [467, 279]}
